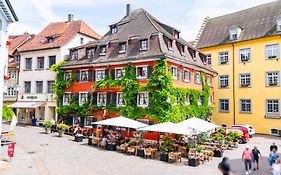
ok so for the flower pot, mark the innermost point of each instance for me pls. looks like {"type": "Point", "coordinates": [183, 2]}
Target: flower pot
{"type": "Point", "coordinates": [47, 130]}
{"type": "Point", "coordinates": [78, 138]}
{"type": "Point", "coordinates": [111, 147]}
{"type": "Point", "coordinates": [193, 162]}
{"type": "Point", "coordinates": [61, 133]}
{"type": "Point", "coordinates": [164, 157]}
{"type": "Point", "coordinates": [218, 153]}
{"type": "Point", "coordinates": [140, 152]}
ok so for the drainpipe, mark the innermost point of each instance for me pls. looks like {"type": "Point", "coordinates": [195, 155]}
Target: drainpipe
{"type": "Point", "coordinates": [233, 85]}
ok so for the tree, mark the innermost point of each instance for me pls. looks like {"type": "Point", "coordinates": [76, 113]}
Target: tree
{"type": "Point", "coordinates": [7, 113]}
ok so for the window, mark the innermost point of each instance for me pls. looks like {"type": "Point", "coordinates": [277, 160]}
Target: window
{"type": "Point", "coordinates": [209, 80]}
{"type": "Point", "coordinates": [245, 80]}
{"type": "Point", "coordinates": [223, 81]}
{"type": "Point", "coordinates": [223, 58]}
{"type": "Point", "coordinates": [50, 84]}
{"type": "Point", "coordinates": [272, 106]}
{"type": "Point", "coordinates": [272, 79]}
{"type": "Point", "coordinates": [233, 33]}
{"type": "Point", "coordinates": [272, 51]}
{"type": "Point", "coordinates": [40, 62]}
{"type": "Point", "coordinates": [74, 54]}
{"type": "Point", "coordinates": [142, 99]}
{"type": "Point", "coordinates": [83, 97]}
{"type": "Point", "coordinates": [210, 101]}
{"type": "Point", "coordinates": [11, 92]}
{"type": "Point", "coordinates": [182, 50]}
{"type": "Point", "coordinates": [278, 24]}
{"type": "Point", "coordinates": [27, 87]}
{"type": "Point", "coordinates": [67, 98]}
{"type": "Point", "coordinates": [223, 105]}
{"type": "Point", "coordinates": [245, 54]}
{"type": "Point", "coordinates": [175, 73]}
{"type": "Point", "coordinates": [142, 72]}
{"type": "Point", "coordinates": [120, 99]}
{"type": "Point", "coordinates": [100, 75]}
{"type": "Point", "coordinates": [102, 50]}
{"type": "Point", "coordinates": [52, 60]}
{"type": "Point", "coordinates": [81, 40]}
{"type": "Point", "coordinates": [143, 45]}
{"type": "Point", "coordinates": [197, 78]}
{"type": "Point", "coordinates": [122, 48]}
{"type": "Point", "coordinates": [245, 106]}
{"type": "Point", "coordinates": [17, 58]}
{"type": "Point", "coordinates": [119, 73]}
{"type": "Point", "coordinates": [90, 52]}
{"type": "Point", "coordinates": [39, 86]}
{"type": "Point", "coordinates": [12, 75]}
{"type": "Point", "coordinates": [113, 29]}
{"type": "Point", "coordinates": [28, 63]}
{"type": "Point", "coordinates": [187, 99]}
{"type": "Point", "coordinates": [209, 59]}
{"type": "Point", "coordinates": [199, 101]}
{"type": "Point", "coordinates": [170, 45]}
{"type": "Point", "coordinates": [67, 76]}
{"type": "Point", "coordinates": [84, 74]}
{"type": "Point", "coordinates": [101, 99]}
{"type": "Point", "coordinates": [186, 75]}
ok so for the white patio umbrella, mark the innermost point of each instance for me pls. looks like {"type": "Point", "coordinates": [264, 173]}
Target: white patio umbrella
{"type": "Point", "coordinates": [167, 127]}
{"type": "Point", "coordinates": [197, 125]}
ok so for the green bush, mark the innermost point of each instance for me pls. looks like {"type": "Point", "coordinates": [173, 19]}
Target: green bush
{"type": "Point", "coordinates": [7, 113]}
{"type": "Point", "coordinates": [167, 145]}
{"type": "Point", "coordinates": [200, 148]}
{"type": "Point", "coordinates": [131, 143]}
{"type": "Point", "coordinates": [48, 124]}
{"type": "Point", "coordinates": [62, 127]}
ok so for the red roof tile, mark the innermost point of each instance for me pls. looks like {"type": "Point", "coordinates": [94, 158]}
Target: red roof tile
{"type": "Point", "coordinates": [17, 41]}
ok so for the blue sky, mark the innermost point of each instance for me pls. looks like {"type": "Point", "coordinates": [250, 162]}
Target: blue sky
{"type": "Point", "coordinates": [185, 15]}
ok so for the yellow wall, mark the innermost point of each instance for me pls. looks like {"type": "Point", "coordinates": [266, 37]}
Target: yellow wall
{"type": "Point", "coordinates": [258, 92]}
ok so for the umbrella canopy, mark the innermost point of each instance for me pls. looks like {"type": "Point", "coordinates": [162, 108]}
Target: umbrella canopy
{"type": "Point", "coordinates": [121, 122]}
{"type": "Point", "coordinates": [197, 125]}
{"type": "Point", "coordinates": [167, 127]}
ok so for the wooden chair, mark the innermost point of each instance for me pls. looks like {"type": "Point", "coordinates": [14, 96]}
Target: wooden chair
{"type": "Point", "coordinates": [131, 150]}
{"type": "Point", "coordinates": [148, 153]}
{"type": "Point", "coordinates": [172, 157]}
{"type": "Point", "coordinates": [123, 147]}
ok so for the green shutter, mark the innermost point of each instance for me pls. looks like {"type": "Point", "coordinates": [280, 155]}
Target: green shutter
{"type": "Point", "coordinates": [108, 98]}
{"type": "Point", "coordinates": [95, 98]}
{"type": "Point", "coordinates": [178, 73]}
{"type": "Point", "coordinates": [94, 75]}
{"type": "Point", "coordinates": [113, 74]}
{"type": "Point", "coordinates": [149, 71]}
{"type": "Point", "coordinates": [90, 75]}
{"type": "Point", "coordinates": [114, 99]}
{"type": "Point", "coordinates": [77, 76]}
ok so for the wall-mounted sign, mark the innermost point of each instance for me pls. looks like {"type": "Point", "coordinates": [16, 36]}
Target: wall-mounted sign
{"type": "Point", "coordinates": [31, 97]}
{"type": "Point", "coordinates": [273, 116]}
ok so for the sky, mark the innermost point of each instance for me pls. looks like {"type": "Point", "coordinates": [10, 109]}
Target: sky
{"type": "Point", "coordinates": [185, 15]}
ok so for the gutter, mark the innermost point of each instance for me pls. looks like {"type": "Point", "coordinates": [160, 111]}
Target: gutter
{"type": "Point", "coordinates": [12, 10]}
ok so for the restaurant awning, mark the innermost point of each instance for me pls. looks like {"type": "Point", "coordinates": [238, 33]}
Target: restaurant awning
{"type": "Point", "coordinates": [197, 125]}
{"type": "Point", "coordinates": [28, 105]}
{"type": "Point", "coordinates": [121, 122]}
{"type": "Point", "coordinates": [167, 127]}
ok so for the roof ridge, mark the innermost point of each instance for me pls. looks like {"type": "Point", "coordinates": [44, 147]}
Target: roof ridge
{"type": "Point", "coordinates": [150, 20]}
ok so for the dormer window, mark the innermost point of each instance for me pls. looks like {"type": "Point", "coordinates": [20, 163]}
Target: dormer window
{"type": "Point", "coordinates": [102, 50]}
{"type": "Point", "coordinates": [278, 24]}
{"type": "Point", "coordinates": [113, 29]}
{"type": "Point", "coordinates": [170, 44]}
{"type": "Point", "coordinates": [143, 45]}
{"type": "Point", "coordinates": [234, 32]}
{"type": "Point", "coordinates": [182, 50]}
{"type": "Point", "coordinates": [74, 54]}
{"type": "Point", "coordinates": [90, 52]}
{"type": "Point", "coordinates": [122, 48]}
{"type": "Point", "coordinates": [176, 34]}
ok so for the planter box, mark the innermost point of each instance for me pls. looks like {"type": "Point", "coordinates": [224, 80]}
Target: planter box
{"type": "Point", "coordinates": [193, 162]}
{"type": "Point", "coordinates": [164, 157]}
{"type": "Point", "coordinates": [78, 138]}
{"type": "Point", "coordinates": [111, 147]}
{"type": "Point", "coordinates": [218, 154]}
{"type": "Point", "coordinates": [140, 152]}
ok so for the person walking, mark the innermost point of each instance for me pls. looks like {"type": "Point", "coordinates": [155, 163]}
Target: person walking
{"type": "Point", "coordinates": [273, 156]}
{"type": "Point", "coordinates": [256, 156]}
{"type": "Point", "coordinates": [273, 146]}
{"type": "Point", "coordinates": [247, 159]}
{"type": "Point", "coordinates": [224, 166]}
{"type": "Point", "coordinates": [276, 167]}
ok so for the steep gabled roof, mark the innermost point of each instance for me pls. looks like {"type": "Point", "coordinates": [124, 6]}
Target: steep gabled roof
{"type": "Point", "coordinates": [61, 33]}
{"type": "Point", "coordinates": [256, 22]}
{"type": "Point", "coordinates": [17, 41]}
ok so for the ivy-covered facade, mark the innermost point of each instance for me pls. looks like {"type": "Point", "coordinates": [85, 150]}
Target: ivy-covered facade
{"type": "Point", "coordinates": [146, 72]}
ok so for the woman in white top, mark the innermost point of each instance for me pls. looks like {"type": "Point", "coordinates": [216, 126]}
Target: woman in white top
{"type": "Point", "coordinates": [276, 167]}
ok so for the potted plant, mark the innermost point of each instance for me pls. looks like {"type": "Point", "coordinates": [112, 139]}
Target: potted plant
{"type": "Point", "coordinates": [236, 136]}
{"type": "Point", "coordinates": [200, 148]}
{"type": "Point", "coordinates": [167, 146]}
{"type": "Point", "coordinates": [111, 140]}
{"type": "Point", "coordinates": [48, 125]}
{"type": "Point", "coordinates": [62, 128]}
{"type": "Point", "coordinates": [131, 143]}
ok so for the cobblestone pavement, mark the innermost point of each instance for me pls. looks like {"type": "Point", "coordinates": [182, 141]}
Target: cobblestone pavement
{"type": "Point", "coordinates": [40, 154]}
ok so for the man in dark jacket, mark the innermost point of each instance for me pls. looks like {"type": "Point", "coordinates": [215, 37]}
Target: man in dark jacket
{"type": "Point", "coordinates": [224, 166]}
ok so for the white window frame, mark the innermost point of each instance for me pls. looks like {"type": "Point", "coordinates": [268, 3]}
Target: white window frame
{"type": "Point", "coordinates": [223, 58]}
{"type": "Point", "coordinates": [275, 78]}
{"type": "Point", "coordinates": [141, 45]}
{"type": "Point", "coordinates": [223, 78]}
{"type": "Point", "coordinates": [90, 52]}
{"type": "Point", "coordinates": [187, 99]}
{"type": "Point", "coordinates": [233, 32]}
{"type": "Point", "coordinates": [64, 99]}
{"type": "Point", "coordinates": [245, 55]}
{"type": "Point", "coordinates": [272, 51]}
{"type": "Point", "coordinates": [138, 99]}
{"type": "Point", "coordinates": [226, 101]}
{"type": "Point", "coordinates": [80, 97]}
{"type": "Point", "coordinates": [122, 49]}
{"type": "Point", "coordinates": [272, 101]}
{"type": "Point", "coordinates": [116, 72]}
{"type": "Point", "coordinates": [175, 74]}
{"type": "Point", "coordinates": [103, 52]}
{"type": "Point", "coordinates": [197, 78]}
{"type": "Point", "coordinates": [11, 92]}
{"type": "Point", "coordinates": [87, 75]}
{"type": "Point", "coordinates": [36, 87]}
{"type": "Point", "coordinates": [102, 76]}
{"type": "Point", "coordinates": [12, 74]}
{"type": "Point", "coordinates": [244, 78]}
{"type": "Point", "coordinates": [209, 80]}
{"type": "Point", "coordinates": [98, 98]}
{"type": "Point", "coordinates": [65, 77]}
{"type": "Point", "coordinates": [209, 59]}
{"type": "Point", "coordinates": [188, 78]}
{"type": "Point", "coordinates": [40, 57]}
{"type": "Point", "coordinates": [245, 102]}
{"type": "Point", "coordinates": [145, 68]}
{"type": "Point", "coordinates": [117, 99]}
{"type": "Point", "coordinates": [210, 100]}
{"type": "Point", "coordinates": [199, 103]}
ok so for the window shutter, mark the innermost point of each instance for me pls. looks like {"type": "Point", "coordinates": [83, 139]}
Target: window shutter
{"type": "Point", "coordinates": [90, 75]}
{"type": "Point", "coordinates": [77, 97]}
{"type": "Point", "coordinates": [108, 97]}
{"type": "Point", "coordinates": [182, 77]}
{"type": "Point", "coordinates": [149, 102]}
{"type": "Point", "coordinates": [94, 75]}
{"type": "Point", "coordinates": [77, 76]}
{"type": "Point", "coordinates": [149, 71]}
{"type": "Point", "coordinates": [170, 70]}
{"type": "Point", "coordinates": [178, 73]}
{"type": "Point", "coordinates": [95, 98]}
{"type": "Point", "coordinates": [113, 74]}
{"type": "Point", "coordinates": [189, 74]}
{"type": "Point", "coordinates": [106, 73]}
{"type": "Point", "coordinates": [89, 96]}
{"type": "Point", "coordinates": [114, 99]}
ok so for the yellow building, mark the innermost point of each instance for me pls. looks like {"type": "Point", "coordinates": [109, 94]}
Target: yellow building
{"type": "Point", "coordinates": [244, 48]}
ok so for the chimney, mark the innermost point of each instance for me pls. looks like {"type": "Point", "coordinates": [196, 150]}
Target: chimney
{"type": "Point", "coordinates": [70, 17]}
{"type": "Point", "coordinates": [128, 10]}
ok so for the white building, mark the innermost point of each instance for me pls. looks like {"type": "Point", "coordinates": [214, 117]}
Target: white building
{"type": "Point", "coordinates": [50, 46]}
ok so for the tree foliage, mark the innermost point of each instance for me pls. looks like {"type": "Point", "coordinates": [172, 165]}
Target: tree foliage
{"type": "Point", "coordinates": [7, 113]}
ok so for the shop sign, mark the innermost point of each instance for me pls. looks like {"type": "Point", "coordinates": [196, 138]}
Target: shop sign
{"type": "Point", "coordinates": [31, 97]}
{"type": "Point", "coordinates": [273, 116]}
